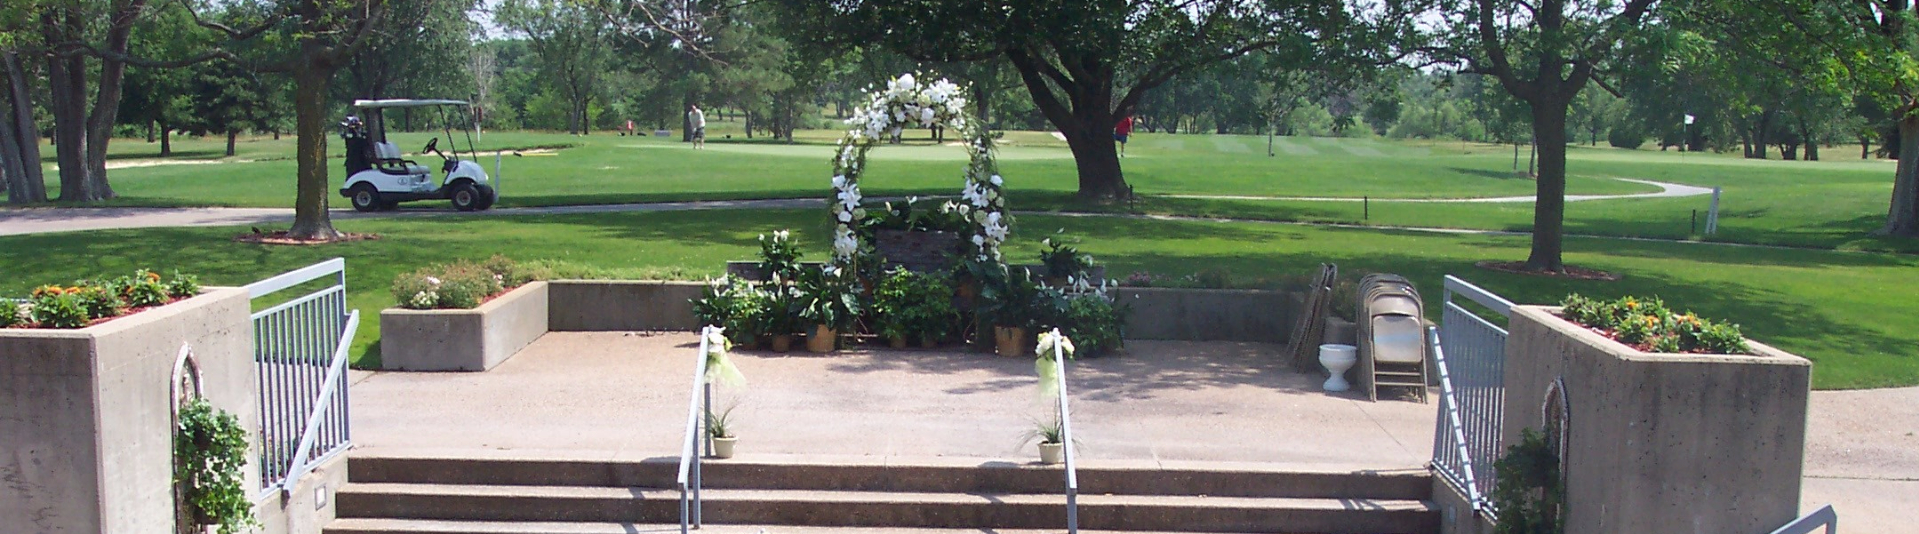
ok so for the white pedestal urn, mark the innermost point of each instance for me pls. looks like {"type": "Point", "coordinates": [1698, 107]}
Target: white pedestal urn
{"type": "Point", "coordinates": [1337, 359]}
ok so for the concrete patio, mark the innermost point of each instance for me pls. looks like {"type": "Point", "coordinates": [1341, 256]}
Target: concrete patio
{"type": "Point", "coordinates": [626, 394]}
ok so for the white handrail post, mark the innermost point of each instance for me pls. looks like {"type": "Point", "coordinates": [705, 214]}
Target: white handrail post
{"type": "Point", "coordinates": [1066, 434]}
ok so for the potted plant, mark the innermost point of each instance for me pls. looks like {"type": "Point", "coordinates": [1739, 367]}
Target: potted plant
{"type": "Point", "coordinates": [718, 426]}
{"type": "Point", "coordinates": [780, 306]}
{"type": "Point", "coordinates": [779, 255]}
{"type": "Point", "coordinates": [1052, 441]}
{"type": "Point", "coordinates": [1015, 304]}
{"type": "Point", "coordinates": [828, 303]}
{"type": "Point", "coordinates": [1095, 321]}
{"type": "Point", "coordinates": [735, 305]}
{"type": "Point", "coordinates": [910, 306]}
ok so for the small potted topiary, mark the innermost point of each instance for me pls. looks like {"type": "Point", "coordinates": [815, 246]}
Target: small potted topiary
{"type": "Point", "coordinates": [829, 301]}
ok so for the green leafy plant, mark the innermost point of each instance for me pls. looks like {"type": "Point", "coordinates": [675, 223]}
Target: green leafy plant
{"type": "Point", "coordinates": [181, 286]}
{"type": "Point", "coordinates": [1094, 323]}
{"type": "Point", "coordinates": [209, 450]}
{"type": "Point", "coordinates": [1527, 488]}
{"type": "Point", "coordinates": [1010, 297]}
{"type": "Point", "coordinates": [58, 307]}
{"type": "Point", "coordinates": [458, 285]}
{"type": "Point", "coordinates": [779, 255]}
{"type": "Point", "coordinates": [909, 305]}
{"type": "Point", "coordinates": [915, 216]}
{"type": "Point", "coordinates": [98, 299]}
{"type": "Point", "coordinates": [143, 289]}
{"type": "Point", "coordinates": [10, 315]}
{"type": "Point", "coordinates": [1063, 260]}
{"type": "Point", "coordinates": [780, 307]}
{"type": "Point", "coordinates": [719, 424]}
{"type": "Point", "coordinates": [828, 297]}
{"type": "Point", "coordinates": [1046, 431]}
{"type": "Point", "coordinates": [735, 305]}
{"type": "Point", "coordinates": [1649, 325]}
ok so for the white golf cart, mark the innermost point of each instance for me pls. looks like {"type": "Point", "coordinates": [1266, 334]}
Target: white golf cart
{"type": "Point", "coordinates": [379, 177]}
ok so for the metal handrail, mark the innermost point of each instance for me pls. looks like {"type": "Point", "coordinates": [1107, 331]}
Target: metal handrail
{"type": "Point", "coordinates": [1066, 437]}
{"type": "Point", "coordinates": [335, 266]}
{"type": "Point", "coordinates": [1450, 406]}
{"type": "Point", "coordinates": [336, 371]}
{"type": "Point", "coordinates": [689, 475]}
{"type": "Point", "coordinates": [1823, 517]}
{"type": "Point", "coordinates": [1477, 294]}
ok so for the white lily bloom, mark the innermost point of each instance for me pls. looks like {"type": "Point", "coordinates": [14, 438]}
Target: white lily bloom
{"type": "Point", "coordinates": [845, 217]}
{"type": "Point", "coordinates": [997, 181]}
{"type": "Point", "coordinates": [839, 182]}
{"type": "Point", "coordinates": [926, 115]}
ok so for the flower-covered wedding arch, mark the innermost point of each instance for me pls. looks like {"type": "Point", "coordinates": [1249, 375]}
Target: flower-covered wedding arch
{"type": "Point", "coordinates": [906, 102]}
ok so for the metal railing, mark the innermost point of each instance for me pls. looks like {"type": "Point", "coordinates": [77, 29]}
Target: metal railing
{"type": "Point", "coordinates": [697, 405]}
{"type": "Point", "coordinates": [300, 347]}
{"type": "Point", "coordinates": [1469, 353]}
{"type": "Point", "coordinates": [1066, 437]}
{"type": "Point", "coordinates": [1823, 518]}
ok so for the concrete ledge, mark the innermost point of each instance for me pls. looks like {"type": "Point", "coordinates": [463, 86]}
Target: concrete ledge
{"type": "Point", "coordinates": [1209, 314]}
{"type": "Point", "coordinates": [86, 443]}
{"type": "Point", "coordinates": [1654, 442]}
{"type": "Point", "coordinates": [622, 305]}
{"type": "Point", "coordinates": [308, 508]}
{"type": "Point", "coordinates": [464, 340]}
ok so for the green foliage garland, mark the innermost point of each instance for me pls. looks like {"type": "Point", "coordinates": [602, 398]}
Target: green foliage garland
{"type": "Point", "coordinates": [209, 449]}
{"type": "Point", "coordinates": [1527, 489]}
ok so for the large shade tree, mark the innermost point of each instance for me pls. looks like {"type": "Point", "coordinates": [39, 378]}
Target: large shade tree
{"type": "Point", "coordinates": [1543, 53]}
{"type": "Point", "coordinates": [1867, 47]}
{"type": "Point", "coordinates": [1087, 63]}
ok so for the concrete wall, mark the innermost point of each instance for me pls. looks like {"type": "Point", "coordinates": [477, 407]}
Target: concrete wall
{"type": "Point", "coordinates": [622, 305]}
{"type": "Point", "coordinates": [1209, 314]}
{"type": "Point", "coordinates": [464, 340]}
{"type": "Point", "coordinates": [1663, 442]}
{"type": "Point", "coordinates": [308, 508]}
{"type": "Point", "coordinates": [86, 426]}
{"type": "Point", "coordinates": [1456, 514]}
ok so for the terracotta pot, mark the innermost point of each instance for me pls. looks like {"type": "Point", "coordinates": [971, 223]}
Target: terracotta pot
{"type": "Point", "coordinates": [723, 447]}
{"type": "Point", "coordinates": [782, 342]}
{"type": "Point", "coordinates": [1051, 453]}
{"type": "Point", "coordinates": [897, 342]}
{"type": "Point", "coordinates": [1010, 340]}
{"type": "Point", "coordinates": [822, 339]}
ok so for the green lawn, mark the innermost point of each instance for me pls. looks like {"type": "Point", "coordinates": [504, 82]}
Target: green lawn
{"type": "Point", "coordinates": [1849, 312]}
{"type": "Point", "coordinates": [1830, 204]}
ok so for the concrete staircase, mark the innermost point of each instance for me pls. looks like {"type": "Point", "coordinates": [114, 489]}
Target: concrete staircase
{"type": "Point", "coordinates": [423, 494]}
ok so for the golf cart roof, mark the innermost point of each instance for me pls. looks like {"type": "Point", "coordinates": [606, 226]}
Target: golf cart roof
{"type": "Point", "coordinates": [405, 103]}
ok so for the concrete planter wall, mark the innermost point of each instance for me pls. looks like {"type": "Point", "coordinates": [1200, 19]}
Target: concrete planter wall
{"type": "Point", "coordinates": [464, 340]}
{"type": "Point", "coordinates": [622, 305]}
{"type": "Point", "coordinates": [86, 443]}
{"type": "Point", "coordinates": [1662, 442]}
{"type": "Point", "coordinates": [1209, 314]}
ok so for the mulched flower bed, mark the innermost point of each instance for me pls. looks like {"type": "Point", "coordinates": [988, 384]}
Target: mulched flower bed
{"type": "Point", "coordinates": [281, 237]}
{"type": "Point", "coordinates": [1572, 272]}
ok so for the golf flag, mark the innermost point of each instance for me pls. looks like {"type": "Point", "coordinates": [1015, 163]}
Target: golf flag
{"type": "Point", "coordinates": [1688, 118]}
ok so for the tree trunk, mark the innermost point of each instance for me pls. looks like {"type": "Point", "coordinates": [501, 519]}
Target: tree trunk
{"type": "Point", "coordinates": [982, 104]}
{"type": "Point", "coordinates": [29, 183]}
{"type": "Point", "coordinates": [1549, 204]}
{"type": "Point", "coordinates": [1811, 139]}
{"type": "Point", "coordinates": [1098, 161]}
{"type": "Point", "coordinates": [310, 217]}
{"type": "Point", "coordinates": [1865, 148]}
{"type": "Point", "coordinates": [66, 81]}
{"type": "Point", "coordinates": [106, 101]}
{"type": "Point", "coordinates": [231, 134]}
{"type": "Point", "coordinates": [1903, 219]}
{"type": "Point", "coordinates": [166, 139]}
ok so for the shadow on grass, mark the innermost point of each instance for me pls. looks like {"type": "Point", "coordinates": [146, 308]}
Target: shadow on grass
{"type": "Point", "coordinates": [1494, 174]}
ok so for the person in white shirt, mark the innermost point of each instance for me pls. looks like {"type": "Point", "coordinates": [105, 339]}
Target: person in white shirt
{"type": "Point", "coordinates": [697, 121]}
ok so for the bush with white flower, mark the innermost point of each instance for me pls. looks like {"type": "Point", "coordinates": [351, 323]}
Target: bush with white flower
{"type": "Point", "coordinates": [904, 102]}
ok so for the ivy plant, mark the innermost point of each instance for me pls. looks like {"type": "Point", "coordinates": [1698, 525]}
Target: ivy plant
{"type": "Point", "coordinates": [209, 449]}
{"type": "Point", "coordinates": [1527, 488]}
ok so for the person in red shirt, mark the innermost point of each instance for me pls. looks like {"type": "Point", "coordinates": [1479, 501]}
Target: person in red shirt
{"type": "Point", "coordinates": [1121, 131]}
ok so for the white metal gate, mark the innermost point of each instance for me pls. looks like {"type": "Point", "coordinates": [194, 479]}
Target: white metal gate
{"type": "Point", "coordinates": [1470, 353]}
{"type": "Point", "coordinates": [300, 346]}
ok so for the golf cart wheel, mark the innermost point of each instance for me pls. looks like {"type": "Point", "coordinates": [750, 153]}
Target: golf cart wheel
{"type": "Point", "coordinates": [487, 197]}
{"type": "Point", "coordinates": [466, 197]}
{"type": "Point", "coordinates": [366, 198]}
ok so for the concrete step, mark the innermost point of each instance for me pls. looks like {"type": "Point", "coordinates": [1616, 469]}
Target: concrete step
{"type": "Point", "coordinates": [928, 475]}
{"type": "Point", "coordinates": [470, 502]}
{"type": "Point", "coordinates": [417, 526]}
